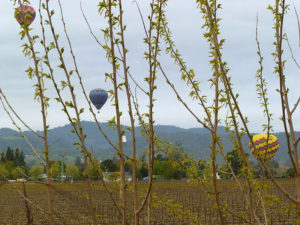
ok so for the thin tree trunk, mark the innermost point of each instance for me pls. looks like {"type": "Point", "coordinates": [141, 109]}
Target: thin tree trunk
{"type": "Point", "coordinates": [28, 211]}
{"type": "Point", "coordinates": [297, 179]}
{"type": "Point", "coordinates": [122, 163]}
{"type": "Point", "coordinates": [214, 143]}
{"type": "Point", "coordinates": [134, 175]}
{"type": "Point", "coordinates": [45, 127]}
{"type": "Point", "coordinates": [285, 103]}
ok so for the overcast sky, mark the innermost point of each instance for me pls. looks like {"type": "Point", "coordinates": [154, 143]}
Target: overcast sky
{"type": "Point", "coordinates": [237, 27]}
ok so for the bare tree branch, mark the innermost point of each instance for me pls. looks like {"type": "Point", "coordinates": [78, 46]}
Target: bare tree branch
{"type": "Point", "coordinates": [291, 51]}
{"type": "Point", "coordinates": [295, 106]}
{"type": "Point", "coordinates": [25, 124]}
{"type": "Point", "coordinates": [298, 23]}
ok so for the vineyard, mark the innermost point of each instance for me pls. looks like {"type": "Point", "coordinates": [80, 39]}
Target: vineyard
{"type": "Point", "coordinates": [146, 73]}
{"type": "Point", "coordinates": [173, 203]}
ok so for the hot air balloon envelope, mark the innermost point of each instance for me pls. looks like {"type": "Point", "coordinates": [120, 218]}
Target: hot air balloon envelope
{"type": "Point", "coordinates": [263, 151]}
{"type": "Point", "coordinates": [27, 17]}
{"type": "Point", "coordinates": [98, 97]}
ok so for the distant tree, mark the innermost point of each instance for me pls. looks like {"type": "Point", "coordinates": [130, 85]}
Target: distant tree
{"type": "Point", "coordinates": [9, 166]}
{"type": "Point", "coordinates": [16, 157]}
{"type": "Point", "coordinates": [22, 159]}
{"type": "Point", "coordinates": [9, 156]}
{"type": "Point", "coordinates": [142, 167]}
{"type": "Point", "coordinates": [224, 167]}
{"type": "Point", "coordinates": [80, 165]}
{"type": "Point", "coordinates": [235, 161]}
{"type": "Point", "coordinates": [258, 170]}
{"type": "Point", "coordinates": [143, 172]}
{"type": "Point", "coordinates": [201, 166]}
{"type": "Point", "coordinates": [160, 157]}
{"type": "Point", "coordinates": [140, 173]}
{"type": "Point", "coordinates": [175, 154]}
{"type": "Point", "coordinates": [36, 171]}
{"type": "Point", "coordinates": [18, 172]}
{"type": "Point", "coordinates": [273, 167]}
{"type": "Point", "coordinates": [55, 169]}
{"type": "Point", "coordinates": [179, 150]}
{"type": "Point", "coordinates": [78, 162]}
{"type": "Point", "coordinates": [289, 173]}
{"type": "Point", "coordinates": [93, 168]}
{"type": "Point", "coordinates": [72, 171]}
{"type": "Point", "coordinates": [109, 165]}
{"type": "Point", "coordinates": [4, 173]}
{"type": "Point", "coordinates": [128, 166]}
{"type": "Point", "coordinates": [168, 169]}
{"type": "Point", "coordinates": [273, 164]}
{"type": "Point", "coordinates": [2, 157]}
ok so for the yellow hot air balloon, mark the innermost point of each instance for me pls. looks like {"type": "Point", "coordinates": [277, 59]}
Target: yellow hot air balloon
{"type": "Point", "coordinates": [263, 151]}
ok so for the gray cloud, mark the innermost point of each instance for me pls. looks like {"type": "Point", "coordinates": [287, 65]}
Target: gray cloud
{"type": "Point", "coordinates": [237, 26]}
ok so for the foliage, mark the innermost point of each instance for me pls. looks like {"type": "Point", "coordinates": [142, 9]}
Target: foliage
{"type": "Point", "coordinates": [235, 161]}
{"type": "Point", "coordinates": [290, 173]}
{"type": "Point", "coordinates": [36, 171]}
{"type": "Point", "coordinates": [4, 172]}
{"type": "Point", "coordinates": [175, 164]}
{"type": "Point", "coordinates": [109, 165]}
{"type": "Point", "coordinates": [72, 171]}
{"type": "Point", "coordinates": [55, 169]}
{"type": "Point", "coordinates": [167, 169]}
{"type": "Point", "coordinates": [12, 164]}
{"type": "Point", "coordinates": [93, 169]}
{"type": "Point", "coordinates": [14, 156]}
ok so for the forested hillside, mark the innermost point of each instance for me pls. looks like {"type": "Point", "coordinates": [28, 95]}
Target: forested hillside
{"type": "Point", "coordinates": [61, 139]}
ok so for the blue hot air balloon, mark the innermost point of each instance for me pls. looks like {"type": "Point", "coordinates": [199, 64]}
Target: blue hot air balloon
{"type": "Point", "coordinates": [98, 97]}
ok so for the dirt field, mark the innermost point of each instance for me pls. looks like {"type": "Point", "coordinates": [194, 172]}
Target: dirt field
{"type": "Point", "coordinates": [173, 203]}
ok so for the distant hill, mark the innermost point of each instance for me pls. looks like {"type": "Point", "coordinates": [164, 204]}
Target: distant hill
{"type": "Point", "coordinates": [196, 140]}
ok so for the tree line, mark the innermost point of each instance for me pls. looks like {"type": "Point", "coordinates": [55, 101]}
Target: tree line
{"type": "Point", "coordinates": [13, 166]}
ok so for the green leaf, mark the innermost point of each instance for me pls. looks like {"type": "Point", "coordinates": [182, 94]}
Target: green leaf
{"type": "Point", "coordinates": [81, 110]}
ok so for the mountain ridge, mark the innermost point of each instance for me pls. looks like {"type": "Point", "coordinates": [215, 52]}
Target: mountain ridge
{"type": "Point", "coordinates": [191, 140]}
